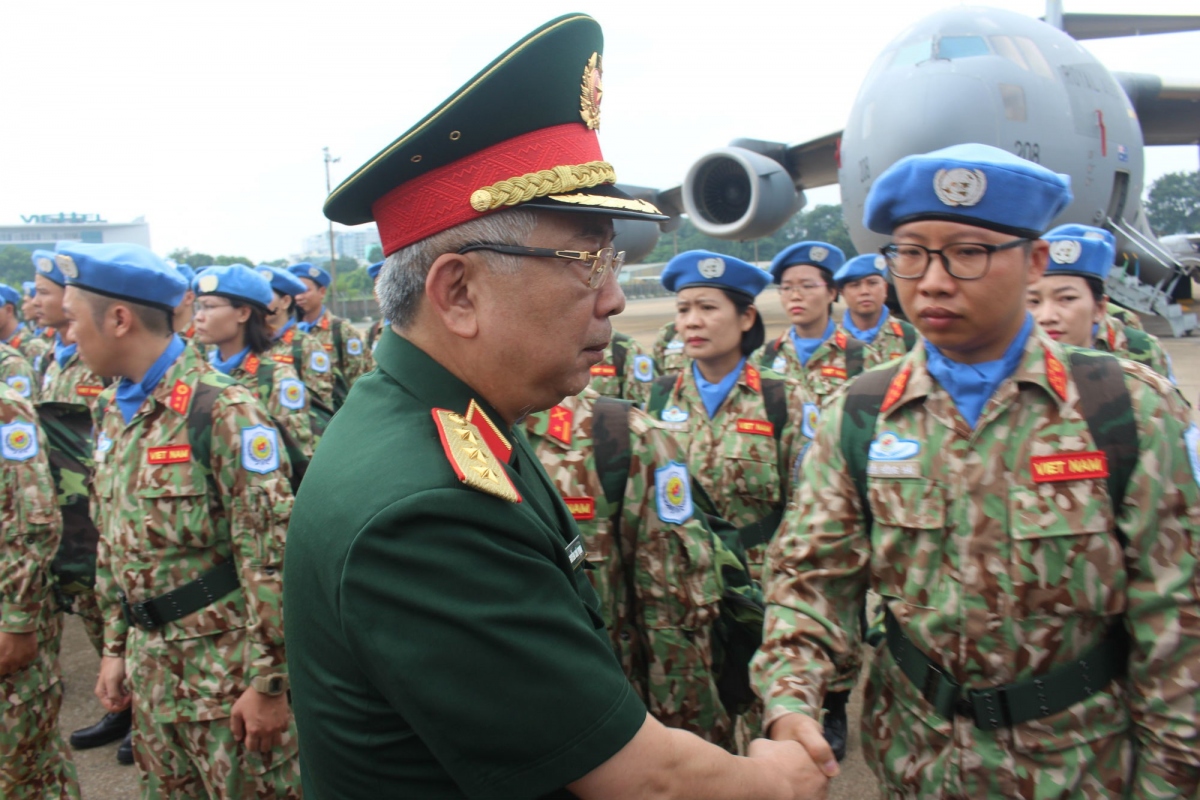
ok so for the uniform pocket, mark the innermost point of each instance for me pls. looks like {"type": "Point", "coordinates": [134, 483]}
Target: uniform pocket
{"type": "Point", "coordinates": [908, 542]}
{"type": "Point", "coordinates": [752, 471]}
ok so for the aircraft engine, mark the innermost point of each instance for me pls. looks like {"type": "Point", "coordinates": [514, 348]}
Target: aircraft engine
{"type": "Point", "coordinates": [734, 193]}
{"type": "Point", "coordinates": [636, 237]}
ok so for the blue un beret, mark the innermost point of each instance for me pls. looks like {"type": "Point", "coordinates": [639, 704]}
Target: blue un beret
{"type": "Point", "coordinates": [124, 271]}
{"type": "Point", "coordinates": [974, 184]}
{"type": "Point", "coordinates": [187, 272]}
{"type": "Point", "coordinates": [29, 288]}
{"type": "Point", "coordinates": [315, 274]}
{"type": "Point", "coordinates": [43, 262]}
{"type": "Point", "coordinates": [1083, 251]}
{"type": "Point", "coordinates": [237, 282]}
{"type": "Point", "coordinates": [281, 280]}
{"type": "Point", "coordinates": [860, 267]}
{"type": "Point", "coordinates": [822, 255]}
{"type": "Point", "coordinates": [373, 270]}
{"type": "Point", "coordinates": [705, 268]}
{"type": "Point", "coordinates": [9, 295]}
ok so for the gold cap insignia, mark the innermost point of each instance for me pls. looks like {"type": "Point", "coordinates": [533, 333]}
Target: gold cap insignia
{"type": "Point", "coordinates": [67, 265]}
{"type": "Point", "coordinates": [591, 92]}
{"type": "Point", "coordinates": [472, 459]}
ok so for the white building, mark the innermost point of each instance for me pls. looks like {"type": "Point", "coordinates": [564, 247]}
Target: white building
{"type": "Point", "coordinates": [349, 243]}
{"type": "Point", "coordinates": [42, 231]}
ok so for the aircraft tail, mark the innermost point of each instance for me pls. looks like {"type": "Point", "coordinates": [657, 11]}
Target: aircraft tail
{"type": "Point", "coordinates": [1111, 26]}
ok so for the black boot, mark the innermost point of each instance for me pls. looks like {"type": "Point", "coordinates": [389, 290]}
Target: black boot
{"type": "Point", "coordinates": [111, 728]}
{"type": "Point", "coordinates": [125, 750]}
{"type": "Point", "coordinates": [835, 722]}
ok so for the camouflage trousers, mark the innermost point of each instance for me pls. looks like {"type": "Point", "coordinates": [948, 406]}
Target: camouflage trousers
{"type": "Point", "coordinates": [204, 760]}
{"type": "Point", "coordinates": [84, 606]}
{"type": "Point", "coordinates": [35, 763]}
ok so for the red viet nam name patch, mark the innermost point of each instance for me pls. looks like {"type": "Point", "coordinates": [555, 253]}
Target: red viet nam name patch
{"type": "Point", "coordinates": [607, 370]}
{"type": "Point", "coordinates": [581, 508]}
{"type": "Point", "coordinates": [833, 372]}
{"type": "Point", "coordinates": [88, 391]}
{"type": "Point", "coordinates": [171, 454]}
{"type": "Point", "coordinates": [757, 426]}
{"type": "Point", "coordinates": [1069, 467]}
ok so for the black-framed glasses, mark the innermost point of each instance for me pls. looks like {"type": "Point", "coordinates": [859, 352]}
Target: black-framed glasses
{"type": "Point", "coordinates": [601, 262]}
{"type": "Point", "coordinates": [967, 261]}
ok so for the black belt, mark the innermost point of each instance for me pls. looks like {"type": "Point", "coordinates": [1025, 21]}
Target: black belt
{"type": "Point", "coordinates": [187, 599]}
{"type": "Point", "coordinates": [1013, 703]}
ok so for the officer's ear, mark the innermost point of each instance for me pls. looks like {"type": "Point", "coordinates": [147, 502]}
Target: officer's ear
{"type": "Point", "coordinates": [122, 319]}
{"type": "Point", "coordinates": [1039, 258]}
{"type": "Point", "coordinates": [449, 293]}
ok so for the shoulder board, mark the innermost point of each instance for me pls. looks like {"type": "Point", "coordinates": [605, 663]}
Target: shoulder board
{"type": "Point", "coordinates": [559, 426]}
{"type": "Point", "coordinates": [471, 458]}
{"type": "Point", "coordinates": [181, 397]}
{"type": "Point", "coordinates": [896, 329]}
{"type": "Point", "coordinates": [1111, 334]}
{"type": "Point", "coordinates": [287, 337]}
{"type": "Point", "coordinates": [839, 339]}
{"type": "Point", "coordinates": [1056, 375]}
{"type": "Point", "coordinates": [251, 364]}
{"type": "Point", "coordinates": [753, 378]}
{"type": "Point", "coordinates": [324, 323]}
{"type": "Point", "coordinates": [895, 388]}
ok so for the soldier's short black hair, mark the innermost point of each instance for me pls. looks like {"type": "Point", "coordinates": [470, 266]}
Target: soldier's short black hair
{"type": "Point", "coordinates": [753, 338]}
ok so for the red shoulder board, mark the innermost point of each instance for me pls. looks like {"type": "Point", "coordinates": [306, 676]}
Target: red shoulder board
{"type": "Point", "coordinates": [282, 359]}
{"type": "Point", "coordinates": [190, 333]}
{"type": "Point", "coordinates": [896, 329]}
{"type": "Point", "coordinates": [840, 338]}
{"type": "Point", "coordinates": [291, 334]}
{"type": "Point", "coordinates": [1056, 375]}
{"type": "Point", "coordinates": [604, 370]}
{"type": "Point", "coordinates": [895, 389]}
{"type": "Point", "coordinates": [492, 436]}
{"type": "Point", "coordinates": [251, 364]}
{"type": "Point", "coordinates": [181, 397]}
{"type": "Point", "coordinates": [581, 508]}
{"type": "Point", "coordinates": [328, 348]}
{"type": "Point", "coordinates": [15, 343]}
{"type": "Point", "coordinates": [560, 424]}
{"type": "Point", "coordinates": [760, 427]}
{"type": "Point", "coordinates": [753, 379]}
{"type": "Point", "coordinates": [1112, 334]}
{"type": "Point", "coordinates": [473, 463]}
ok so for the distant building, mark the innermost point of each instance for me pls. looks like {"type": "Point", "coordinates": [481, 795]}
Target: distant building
{"type": "Point", "coordinates": [42, 231]}
{"type": "Point", "coordinates": [349, 243]}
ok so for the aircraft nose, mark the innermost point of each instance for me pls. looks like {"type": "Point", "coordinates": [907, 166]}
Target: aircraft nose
{"type": "Point", "coordinates": [930, 107]}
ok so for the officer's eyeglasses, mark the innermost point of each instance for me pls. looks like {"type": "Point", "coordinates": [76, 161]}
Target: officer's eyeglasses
{"type": "Point", "coordinates": [808, 287]}
{"type": "Point", "coordinates": [967, 261]}
{"type": "Point", "coordinates": [601, 262]}
{"type": "Point", "coordinates": [202, 307]}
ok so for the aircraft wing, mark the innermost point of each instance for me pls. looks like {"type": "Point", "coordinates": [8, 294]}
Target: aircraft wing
{"type": "Point", "coordinates": [815, 163]}
{"type": "Point", "coordinates": [1168, 110]}
{"type": "Point", "coordinates": [1108, 26]}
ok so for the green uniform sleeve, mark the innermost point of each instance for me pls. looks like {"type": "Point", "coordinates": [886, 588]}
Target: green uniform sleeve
{"type": "Point", "coordinates": [288, 401]}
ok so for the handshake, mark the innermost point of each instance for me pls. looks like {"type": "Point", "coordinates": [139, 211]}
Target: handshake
{"type": "Point", "coordinates": [797, 750]}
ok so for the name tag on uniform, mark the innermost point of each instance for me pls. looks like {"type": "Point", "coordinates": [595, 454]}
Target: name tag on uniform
{"type": "Point", "coordinates": [88, 391]}
{"type": "Point", "coordinates": [833, 372]}
{"type": "Point", "coordinates": [760, 427]}
{"type": "Point", "coordinates": [1069, 467]}
{"type": "Point", "coordinates": [581, 508]}
{"type": "Point", "coordinates": [894, 469]}
{"type": "Point", "coordinates": [575, 552]}
{"type": "Point", "coordinates": [604, 370]}
{"type": "Point", "coordinates": [282, 359]}
{"type": "Point", "coordinates": [171, 454]}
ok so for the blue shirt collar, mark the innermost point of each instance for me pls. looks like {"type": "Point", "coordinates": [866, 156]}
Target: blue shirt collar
{"type": "Point", "coordinates": [308, 326]}
{"type": "Point", "coordinates": [868, 335]}
{"type": "Point", "coordinates": [806, 347]}
{"type": "Point", "coordinates": [714, 394]}
{"type": "Point", "coordinates": [290, 324]}
{"type": "Point", "coordinates": [970, 386]}
{"type": "Point", "coordinates": [130, 395]}
{"type": "Point", "coordinates": [62, 351]}
{"type": "Point", "coordinates": [227, 365]}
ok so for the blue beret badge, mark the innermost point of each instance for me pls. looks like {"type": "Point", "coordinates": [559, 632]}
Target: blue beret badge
{"type": "Point", "coordinates": [959, 186]}
{"type": "Point", "coordinates": [711, 267]}
{"type": "Point", "coordinates": [291, 394]}
{"type": "Point", "coordinates": [18, 441]}
{"type": "Point", "coordinates": [20, 383]}
{"type": "Point", "coordinates": [643, 368]}
{"type": "Point", "coordinates": [319, 362]}
{"type": "Point", "coordinates": [1065, 251]}
{"type": "Point", "coordinates": [260, 449]}
{"type": "Point", "coordinates": [354, 347]}
{"type": "Point", "coordinates": [674, 490]}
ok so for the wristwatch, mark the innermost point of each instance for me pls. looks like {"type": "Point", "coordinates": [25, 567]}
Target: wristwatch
{"type": "Point", "coordinates": [270, 685]}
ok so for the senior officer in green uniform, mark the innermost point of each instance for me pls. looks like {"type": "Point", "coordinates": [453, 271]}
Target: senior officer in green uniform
{"type": "Point", "coordinates": [443, 638]}
{"type": "Point", "coordinates": [862, 283]}
{"type": "Point", "coordinates": [1034, 526]}
{"type": "Point", "coordinates": [192, 500]}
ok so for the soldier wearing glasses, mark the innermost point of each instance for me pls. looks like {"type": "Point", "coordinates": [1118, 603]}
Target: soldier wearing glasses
{"type": "Point", "coordinates": [444, 638]}
{"type": "Point", "coordinates": [1026, 510]}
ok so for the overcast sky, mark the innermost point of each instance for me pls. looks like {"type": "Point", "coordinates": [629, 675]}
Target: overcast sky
{"type": "Point", "coordinates": [208, 118]}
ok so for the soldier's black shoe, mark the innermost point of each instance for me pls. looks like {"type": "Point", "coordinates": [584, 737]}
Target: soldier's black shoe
{"type": "Point", "coordinates": [111, 728]}
{"type": "Point", "coordinates": [125, 750]}
{"type": "Point", "coordinates": [836, 727]}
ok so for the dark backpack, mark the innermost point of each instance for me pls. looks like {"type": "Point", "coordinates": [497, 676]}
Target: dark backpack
{"type": "Point", "coordinates": [69, 450]}
{"type": "Point", "coordinates": [341, 386]}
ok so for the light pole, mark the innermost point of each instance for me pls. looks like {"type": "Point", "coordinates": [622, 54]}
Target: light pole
{"type": "Point", "coordinates": [332, 254]}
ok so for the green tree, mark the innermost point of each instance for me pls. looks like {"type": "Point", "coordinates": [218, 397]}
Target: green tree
{"type": "Point", "coordinates": [224, 261]}
{"type": "Point", "coordinates": [353, 284]}
{"type": "Point", "coordinates": [16, 266]}
{"type": "Point", "coordinates": [1173, 203]}
{"type": "Point", "coordinates": [282, 263]}
{"type": "Point", "coordinates": [823, 222]}
{"type": "Point", "coordinates": [374, 253]}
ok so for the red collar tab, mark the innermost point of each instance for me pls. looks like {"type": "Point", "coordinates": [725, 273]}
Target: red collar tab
{"type": "Point", "coordinates": [251, 364]}
{"type": "Point", "coordinates": [896, 329]}
{"type": "Point", "coordinates": [895, 389]}
{"type": "Point", "coordinates": [324, 321]}
{"type": "Point", "coordinates": [679, 383]}
{"type": "Point", "coordinates": [753, 379]}
{"type": "Point", "coordinates": [560, 424]}
{"type": "Point", "coordinates": [1056, 375]}
{"type": "Point", "coordinates": [839, 337]}
{"type": "Point", "coordinates": [289, 335]}
{"type": "Point", "coordinates": [1112, 334]}
{"type": "Point", "coordinates": [181, 397]}
{"type": "Point", "coordinates": [495, 440]}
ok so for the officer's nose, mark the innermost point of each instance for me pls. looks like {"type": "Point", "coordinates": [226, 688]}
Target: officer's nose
{"type": "Point", "coordinates": [936, 281]}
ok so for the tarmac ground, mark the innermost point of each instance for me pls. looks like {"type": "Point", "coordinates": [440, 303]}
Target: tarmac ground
{"type": "Point", "coordinates": [101, 778]}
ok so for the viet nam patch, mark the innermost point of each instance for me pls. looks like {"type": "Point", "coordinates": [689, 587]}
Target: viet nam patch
{"type": "Point", "coordinates": [20, 384]}
{"type": "Point", "coordinates": [674, 490]}
{"type": "Point", "coordinates": [319, 362]}
{"type": "Point", "coordinates": [1192, 441]}
{"type": "Point", "coordinates": [1069, 466]}
{"type": "Point", "coordinates": [260, 449]}
{"type": "Point", "coordinates": [291, 394]}
{"type": "Point", "coordinates": [812, 415]}
{"type": "Point", "coordinates": [18, 441]}
{"type": "Point", "coordinates": [354, 347]}
{"type": "Point", "coordinates": [673, 413]}
{"type": "Point", "coordinates": [643, 368]}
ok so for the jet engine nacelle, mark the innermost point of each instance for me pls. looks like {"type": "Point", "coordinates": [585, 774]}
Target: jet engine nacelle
{"type": "Point", "coordinates": [636, 237]}
{"type": "Point", "coordinates": [734, 193]}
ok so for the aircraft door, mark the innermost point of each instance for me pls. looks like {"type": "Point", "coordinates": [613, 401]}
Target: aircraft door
{"type": "Point", "coordinates": [1120, 193]}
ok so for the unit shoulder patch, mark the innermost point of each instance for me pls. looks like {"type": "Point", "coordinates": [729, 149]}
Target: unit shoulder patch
{"type": "Point", "coordinates": [319, 362]}
{"type": "Point", "coordinates": [21, 384]}
{"type": "Point", "coordinates": [260, 449]}
{"type": "Point", "coordinates": [472, 460]}
{"type": "Point", "coordinates": [18, 441]}
{"type": "Point", "coordinates": [643, 368]}
{"type": "Point", "coordinates": [291, 394]}
{"type": "Point", "coordinates": [354, 347]}
{"type": "Point", "coordinates": [673, 489]}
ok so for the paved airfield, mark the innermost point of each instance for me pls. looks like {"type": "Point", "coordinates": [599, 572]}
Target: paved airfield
{"type": "Point", "coordinates": [102, 778]}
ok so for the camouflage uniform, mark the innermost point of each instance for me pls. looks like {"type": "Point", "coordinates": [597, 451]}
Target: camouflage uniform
{"type": "Point", "coordinates": [35, 348]}
{"type": "Point", "coordinates": [998, 578]}
{"type": "Point", "coordinates": [299, 349]}
{"type": "Point", "coordinates": [659, 583]}
{"type": "Point", "coordinates": [285, 397]}
{"type": "Point", "coordinates": [161, 526]}
{"type": "Point", "coordinates": [626, 375]}
{"type": "Point", "coordinates": [18, 373]}
{"type": "Point", "coordinates": [1114, 337]}
{"type": "Point", "coordinates": [35, 763]}
{"type": "Point", "coordinates": [668, 350]}
{"type": "Point", "coordinates": [826, 370]}
{"type": "Point", "coordinates": [373, 336]}
{"type": "Point", "coordinates": [353, 359]}
{"type": "Point", "coordinates": [889, 342]}
{"type": "Point", "coordinates": [1129, 318]}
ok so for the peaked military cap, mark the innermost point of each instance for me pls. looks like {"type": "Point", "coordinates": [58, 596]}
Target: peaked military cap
{"type": "Point", "coordinates": [47, 267]}
{"type": "Point", "coordinates": [521, 132]}
{"type": "Point", "coordinates": [705, 268]}
{"type": "Point", "coordinates": [124, 271]}
{"type": "Point", "coordinates": [236, 282]}
{"type": "Point", "coordinates": [9, 295]}
{"type": "Point", "coordinates": [975, 184]}
{"type": "Point", "coordinates": [1080, 250]}
{"type": "Point", "coordinates": [314, 273]}
{"type": "Point", "coordinates": [861, 267]}
{"type": "Point", "coordinates": [281, 280]}
{"type": "Point", "coordinates": [821, 255]}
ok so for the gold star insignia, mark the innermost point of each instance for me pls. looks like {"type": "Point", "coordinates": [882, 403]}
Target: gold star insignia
{"type": "Point", "coordinates": [487, 473]}
{"type": "Point", "coordinates": [467, 435]}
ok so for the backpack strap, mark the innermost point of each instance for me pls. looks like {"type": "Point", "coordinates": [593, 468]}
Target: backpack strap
{"type": "Point", "coordinates": [199, 422]}
{"type": "Point", "coordinates": [620, 348]}
{"type": "Point", "coordinates": [864, 398]}
{"type": "Point", "coordinates": [338, 343]}
{"type": "Point", "coordinates": [610, 443]}
{"type": "Point", "coordinates": [266, 377]}
{"type": "Point", "coordinates": [660, 393]}
{"type": "Point", "coordinates": [769, 351]}
{"type": "Point", "coordinates": [909, 333]}
{"type": "Point", "coordinates": [855, 357]}
{"type": "Point", "coordinates": [298, 357]}
{"type": "Point", "coordinates": [774, 393]}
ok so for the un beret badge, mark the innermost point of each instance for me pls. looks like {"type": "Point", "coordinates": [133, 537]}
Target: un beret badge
{"type": "Point", "coordinates": [1066, 251]}
{"type": "Point", "coordinates": [266, 273]}
{"type": "Point", "coordinates": [67, 265]}
{"type": "Point", "coordinates": [207, 283]}
{"type": "Point", "coordinates": [818, 253]}
{"type": "Point", "coordinates": [959, 186]}
{"type": "Point", "coordinates": [44, 265]}
{"type": "Point", "coordinates": [711, 267]}
{"type": "Point", "coordinates": [313, 272]}
{"type": "Point", "coordinates": [591, 91]}
{"type": "Point", "coordinates": [880, 263]}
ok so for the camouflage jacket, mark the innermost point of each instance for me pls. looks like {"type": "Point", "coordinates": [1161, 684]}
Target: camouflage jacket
{"type": "Point", "coordinates": [626, 375]}
{"type": "Point", "coordinates": [70, 385]}
{"type": "Point", "coordinates": [35, 348]}
{"type": "Point", "coordinates": [18, 373]}
{"type": "Point", "coordinates": [353, 359]}
{"type": "Point", "coordinates": [889, 342]}
{"type": "Point", "coordinates": [825, 371]}
{"type": "Point", "coordinates": [658, 581]}
{"type": "Point", "coordinates": [998, 578]}
{"type": "Point", "coordinates": [373, 336]}
{"type": "Point", "coordinates": [166, 517]}
{"type": "Point", "coordinates": [285, 397]}
{"type": "Point", "coordinates": [30, 527]}
{"type": "Point", "coordinates": [1123, 315]}
{"type": "Point", "coordinates": [1135, 345]}
{"type": "Point", "coordinates": [300, 350]}
{"type": "Point", "coordinates": [668, 350]}
{"type": "Point", "coordinates": [736, 456]}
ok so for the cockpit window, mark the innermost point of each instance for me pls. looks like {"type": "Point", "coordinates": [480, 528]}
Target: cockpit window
{"type": "Point", "coordinates": [1023, 52]}
{"type": "Point", "coordinates": [913, 52]}
{"type": "Point", "coordinates": [962, 47]}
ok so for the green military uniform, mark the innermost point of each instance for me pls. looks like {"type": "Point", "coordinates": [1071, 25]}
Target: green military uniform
{"type": "Point", "coordinates": [892, 340]}
{"type": "Point", "coordinates": [278, 388]}
{"type": "Point", "coordinates": [838, 359]}
{"type": "Point", "coordinates": [1129, 318]}
{"type": "Point", "coordinates": [999, 576]}
{"type": "Point", "coordinates": [18, 373]}
{"type": "Point", "coordinates": [35, 348]}
{"type": "Point", "coordinates": [668, 350]}
{"type": "Point", "coordinates": [626, 372]}
{"type": "Point", "coordinates": [373, 336]}
{"type": "Point", "coordinates": [176, 498]}
{"type": "Point", "coordinates": [659, 581]}
{"type": "Point", "coordinates": [35, 763]}
{"type": "Point", "coordinates": [300, 350]}
{"type": "Point", "coordinates": [1134, 344]}
{"type": "Point", "coordinates": [344, 344]}
{"type": "Point", "coordinates": [464, 545]}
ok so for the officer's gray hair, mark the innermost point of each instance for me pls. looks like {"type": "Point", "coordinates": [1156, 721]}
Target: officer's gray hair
{"type": "Point", "coordinates": [401, 283]}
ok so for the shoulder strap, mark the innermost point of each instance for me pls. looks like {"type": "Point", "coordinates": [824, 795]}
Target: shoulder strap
{"type": "Point", "coordinates": [1106, 405]}
{"type": "Point", "coordinates": [660, 390]}
{"type": "Point", "coordinates": [620, 348]}
{"type": "Point", "coordinates": [266, 375]}
{"type": "Point", "coordinates": [910, 335]}
{"type": "Point", "coordinates": [337, 343]}
{"type": "Point", "coordinates": [610, 446]}
{"type": "Point", "coordinates": [199, 422]}
{"type": "Point", "coordinates": [863, 400]}
{"type": "Point", "coordinates": [298, 356]}
{"type": "Point", "coordinates": [775, 399]}
{"type": "Point", "coordinates": [770, 350]}
{"type": "Point", "coordinates": [855, 357]}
